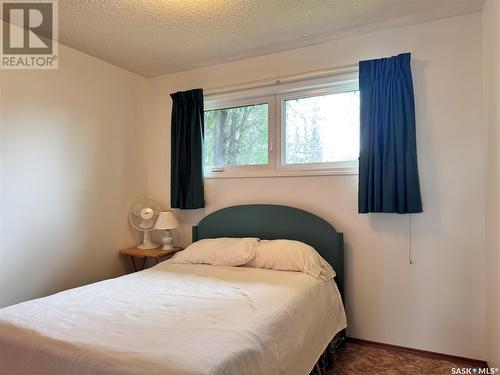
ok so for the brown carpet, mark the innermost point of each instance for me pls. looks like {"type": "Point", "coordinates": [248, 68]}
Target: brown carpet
{"type": "Point", "coordinates": [363, 359]}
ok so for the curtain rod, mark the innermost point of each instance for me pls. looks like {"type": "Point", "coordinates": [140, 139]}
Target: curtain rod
{"type": "Point", "coordinates": [280, 80]}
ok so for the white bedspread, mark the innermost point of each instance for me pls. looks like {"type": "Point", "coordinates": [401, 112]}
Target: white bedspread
{"type": "Point", "coordinates": [175, 319]}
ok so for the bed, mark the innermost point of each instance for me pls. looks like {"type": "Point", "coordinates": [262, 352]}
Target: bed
{"type": "Point", "coordinates": [189, 319]}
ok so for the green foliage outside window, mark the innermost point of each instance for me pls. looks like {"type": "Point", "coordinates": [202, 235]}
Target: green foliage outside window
{"type": "Point", "coordinates": [236, 136]}
{"type": "Point", "coordinates": [317, 129]}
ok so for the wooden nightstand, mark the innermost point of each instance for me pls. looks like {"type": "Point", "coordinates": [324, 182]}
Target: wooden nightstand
{"type": "Point", "coordinates": [155, 254]}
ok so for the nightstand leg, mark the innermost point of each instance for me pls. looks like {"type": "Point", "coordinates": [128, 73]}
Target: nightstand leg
{"type": "Point", "coordinates": [134, 267]}
{"type": "Point", "coordinates": [144, 263]}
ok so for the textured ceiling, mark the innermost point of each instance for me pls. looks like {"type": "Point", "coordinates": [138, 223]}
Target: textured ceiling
{"type": "Point", "coordinates": [154, 37]}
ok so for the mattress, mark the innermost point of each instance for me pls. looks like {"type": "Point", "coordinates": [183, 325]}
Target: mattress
{"type": "Point", "coordinates": [175, 319]}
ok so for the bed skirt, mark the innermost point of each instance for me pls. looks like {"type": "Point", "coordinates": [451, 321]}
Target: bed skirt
{"type": "Point", "coordinates": [326, 360]}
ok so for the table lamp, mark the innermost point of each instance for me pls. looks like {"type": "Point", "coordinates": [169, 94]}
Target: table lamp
{"type": "Point", "coordinates": [166, 221]}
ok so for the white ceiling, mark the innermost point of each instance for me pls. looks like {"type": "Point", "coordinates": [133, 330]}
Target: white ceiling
{"type": "Point", "coordinates": [155, 37]}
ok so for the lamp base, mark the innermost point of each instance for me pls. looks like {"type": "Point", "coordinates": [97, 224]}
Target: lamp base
{"type": "Point", "coordinates": [167, 241]}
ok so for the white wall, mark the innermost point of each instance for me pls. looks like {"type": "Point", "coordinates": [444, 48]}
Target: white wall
{"type": "Point", "coordinates": [72, 161]}
{"type": "Point", "coordinates": [491, 46]}
{"type": "Point", "coordinates": [438, 303]}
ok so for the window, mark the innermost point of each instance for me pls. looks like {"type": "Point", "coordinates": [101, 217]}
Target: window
{"type": "Point", "coordinates": [237, 136]}
{"type": "Point", "coordinates": [299, 130]}
{"type": "Point", "coordinates": [321, 128]}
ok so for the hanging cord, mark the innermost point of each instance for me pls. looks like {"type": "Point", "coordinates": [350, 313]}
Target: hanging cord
{"type": "Point", "coordinates": [410, 240]}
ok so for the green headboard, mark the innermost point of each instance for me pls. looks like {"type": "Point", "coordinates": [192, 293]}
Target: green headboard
{"type": "Point", "coordinates": [268, 222]}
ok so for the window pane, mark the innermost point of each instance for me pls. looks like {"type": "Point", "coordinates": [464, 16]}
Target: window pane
{"type": "Point", "coordinates": [236, 136]}
{"type": "Point", "coordinates": [322, 129]}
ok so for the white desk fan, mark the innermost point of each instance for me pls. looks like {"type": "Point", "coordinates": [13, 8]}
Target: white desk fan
{"type": "Point", "coordinates": [143, 216]}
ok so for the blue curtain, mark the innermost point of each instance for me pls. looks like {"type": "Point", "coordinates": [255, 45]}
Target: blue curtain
{"type": "Point", "coordinates": [388, 172]}
{"type": "Point", "coordinates": [186, 172]}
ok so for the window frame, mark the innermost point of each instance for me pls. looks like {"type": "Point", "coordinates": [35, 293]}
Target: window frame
{"type": "Point", "coordinates": [281, 127]}
{"type": "Point", "coordinates": [235, 170]}
{"type": "Point", "coordinates": [275, 98]}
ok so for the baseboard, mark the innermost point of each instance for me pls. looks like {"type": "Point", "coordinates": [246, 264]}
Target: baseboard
{"type": "Point", "coordinates": [467, 361]}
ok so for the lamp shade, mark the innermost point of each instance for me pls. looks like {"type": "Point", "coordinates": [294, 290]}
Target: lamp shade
{"type": "Point", "coordinates": [166, 220]}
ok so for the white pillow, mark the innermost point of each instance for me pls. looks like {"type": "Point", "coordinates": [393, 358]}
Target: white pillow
{"type": "Point", "coordinates": [218, 252]}
{"type": "Point", "coordinates": [288, 255]}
